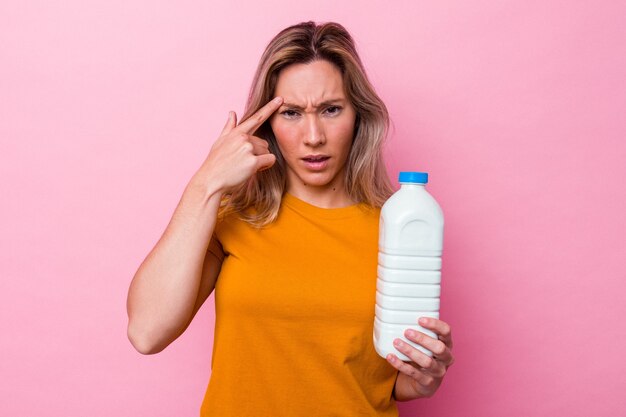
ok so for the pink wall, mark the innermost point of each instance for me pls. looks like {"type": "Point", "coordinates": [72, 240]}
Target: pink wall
{"type": "Point", "coordinates": [515, 108]}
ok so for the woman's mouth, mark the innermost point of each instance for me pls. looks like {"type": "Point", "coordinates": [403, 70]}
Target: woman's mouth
{"type": "Point", "coordinates": [316, 162]}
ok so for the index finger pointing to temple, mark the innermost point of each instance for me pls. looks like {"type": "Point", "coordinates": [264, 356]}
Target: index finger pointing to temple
{"type": "Point", "coordinates": [253, 122]}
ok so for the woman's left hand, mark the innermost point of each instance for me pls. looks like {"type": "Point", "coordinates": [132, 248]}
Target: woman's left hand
{"type": "Point", "coordinates": [422, 376]}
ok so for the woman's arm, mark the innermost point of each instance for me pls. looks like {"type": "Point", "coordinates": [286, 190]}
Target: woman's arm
{"type": "Point", "coordinates": [179, 274]}
{"type": "Point", "coordinates": [163, 295]}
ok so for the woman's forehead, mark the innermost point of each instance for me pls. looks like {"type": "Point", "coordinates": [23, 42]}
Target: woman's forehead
{"type": "Point", "coordinates": [312, 84]}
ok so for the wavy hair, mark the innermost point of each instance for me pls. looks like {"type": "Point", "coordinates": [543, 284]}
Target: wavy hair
{"type": "Point", "coordinates": [258, 200]}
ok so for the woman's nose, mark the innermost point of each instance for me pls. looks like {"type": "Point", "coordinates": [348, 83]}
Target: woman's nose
{"type": "Point", "coordinates": [314, 134]}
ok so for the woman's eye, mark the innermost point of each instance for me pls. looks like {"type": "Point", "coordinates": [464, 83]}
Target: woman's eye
{"type": "Point", "coordinates": [290, 113]}
{"type": "Point", "coordinates": [333, 110]}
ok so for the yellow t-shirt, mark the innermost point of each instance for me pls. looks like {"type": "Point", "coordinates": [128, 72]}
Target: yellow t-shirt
{"type": "Point", "coordinates": [294, 308]}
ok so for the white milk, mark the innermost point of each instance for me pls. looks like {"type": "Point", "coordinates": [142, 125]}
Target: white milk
{"type": "Point", "coordinates": [409, 263]}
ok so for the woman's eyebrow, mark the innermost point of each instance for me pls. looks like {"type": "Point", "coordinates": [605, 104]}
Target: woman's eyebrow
{"type": "Point", "coordinates": [322, 104]}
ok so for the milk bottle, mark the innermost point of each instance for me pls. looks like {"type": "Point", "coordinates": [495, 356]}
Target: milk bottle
{"type": "Point", "coordinates": [409, 263]}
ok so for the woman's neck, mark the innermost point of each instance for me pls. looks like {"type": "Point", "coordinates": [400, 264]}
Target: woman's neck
{"type": "Point", "coordinates": [331, 197]}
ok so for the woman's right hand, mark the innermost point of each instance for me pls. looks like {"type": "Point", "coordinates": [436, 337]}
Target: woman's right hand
{"type": "Point", "coordinates": [237, 154]}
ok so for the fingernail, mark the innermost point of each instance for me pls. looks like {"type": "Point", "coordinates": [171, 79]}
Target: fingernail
{"type": "Point", "coordinates": [278, 99]}
{"type": "Point", "coordinates": [397, 342]}
{"type": "Point", "coordinates": [410, 333]}
{"type": "Point", "coordinates": [423, 320]}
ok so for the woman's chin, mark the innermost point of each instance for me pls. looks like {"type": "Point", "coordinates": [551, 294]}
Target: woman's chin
{"type": "Point", "coordinates": [328, 179]}
{"type": "Point", "coordinates": [321, 180]}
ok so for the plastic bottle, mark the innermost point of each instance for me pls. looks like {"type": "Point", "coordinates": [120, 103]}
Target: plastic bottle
{"type": "Point", "coordinates": [409, 263]}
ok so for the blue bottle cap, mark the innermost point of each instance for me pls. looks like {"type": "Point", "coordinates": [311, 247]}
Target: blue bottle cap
{"type": "Point", "coordinates": [413, 177]}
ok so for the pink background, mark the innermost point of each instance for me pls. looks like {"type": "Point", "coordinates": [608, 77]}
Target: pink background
{"type": "Point", "coordinates": [516, 108]}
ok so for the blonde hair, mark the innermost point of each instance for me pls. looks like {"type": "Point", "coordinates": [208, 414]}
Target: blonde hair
{"type": "Point", "coordinates": [258, 200]}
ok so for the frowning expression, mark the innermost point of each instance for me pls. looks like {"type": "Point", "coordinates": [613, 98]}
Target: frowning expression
{"type": "Point", "coordinates": [314, 127]}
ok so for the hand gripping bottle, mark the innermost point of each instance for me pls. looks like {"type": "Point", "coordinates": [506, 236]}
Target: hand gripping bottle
{"type": "Point", "coordinates": [409, 263]}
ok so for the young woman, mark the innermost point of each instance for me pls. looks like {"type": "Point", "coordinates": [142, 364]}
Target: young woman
{"type": "Point", "coordinates": [281, 220]}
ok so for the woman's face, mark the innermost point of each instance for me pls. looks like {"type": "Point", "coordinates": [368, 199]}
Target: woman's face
{"type": "Point", "coordinates": [314, 128]}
